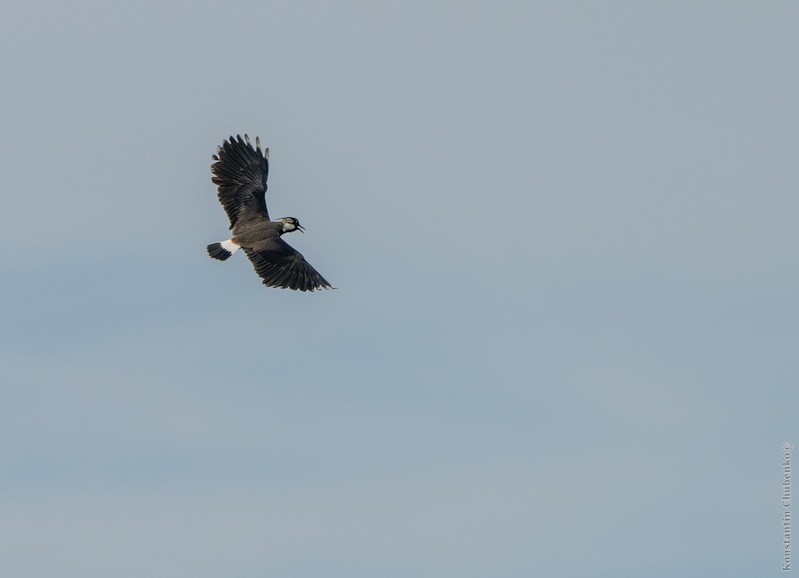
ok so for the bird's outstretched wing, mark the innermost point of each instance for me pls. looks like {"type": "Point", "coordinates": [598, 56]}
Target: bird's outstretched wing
{"type": "Point", "coordinates": [280, 265]}
{"type": "Point", "coordinates": [240, 173]}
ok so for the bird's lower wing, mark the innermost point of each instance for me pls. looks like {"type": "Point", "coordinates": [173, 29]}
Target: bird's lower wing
{"type": "Point", "coordinates": [280, 265]}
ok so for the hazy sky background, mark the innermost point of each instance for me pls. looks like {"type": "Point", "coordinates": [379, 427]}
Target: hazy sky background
{"type": "Point", "coordinates": [564, 341]}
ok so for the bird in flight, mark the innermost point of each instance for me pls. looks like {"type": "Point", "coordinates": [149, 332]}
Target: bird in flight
{"type": "Point", "coordinates": [240, 173]}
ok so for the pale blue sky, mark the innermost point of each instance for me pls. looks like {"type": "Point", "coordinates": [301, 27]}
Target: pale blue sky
{"type": "Point", "coordinates": [564, 340]}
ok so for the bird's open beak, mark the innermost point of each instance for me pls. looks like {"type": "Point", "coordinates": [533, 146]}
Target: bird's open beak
{"type": "Point", "coordinates": [300, 228]}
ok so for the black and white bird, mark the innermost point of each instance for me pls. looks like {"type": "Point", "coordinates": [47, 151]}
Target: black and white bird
{"type": "Point", "coordinates": [240, 173]}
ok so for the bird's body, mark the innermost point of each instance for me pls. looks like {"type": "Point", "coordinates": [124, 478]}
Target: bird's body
{"type": "Point", "coordinates": [249, 233]}
{"type": "Point", "coordinates": [240, 173]}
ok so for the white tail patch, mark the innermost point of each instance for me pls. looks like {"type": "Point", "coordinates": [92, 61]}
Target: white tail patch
{"type": "Point", "coordinates": [230, 246]}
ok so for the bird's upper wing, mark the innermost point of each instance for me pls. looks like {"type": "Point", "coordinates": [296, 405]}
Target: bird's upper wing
{"type": "Point", "coordinates": [280, 265]}
{"type": "Point", "coordinates": [240, 173]}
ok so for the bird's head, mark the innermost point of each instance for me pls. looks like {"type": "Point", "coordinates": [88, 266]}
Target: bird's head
{"type": "Point", "coordinates": [290, 224]}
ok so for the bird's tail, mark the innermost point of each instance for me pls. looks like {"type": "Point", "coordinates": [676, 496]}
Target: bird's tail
{"type": "Point", "coordinates": [223, 250]}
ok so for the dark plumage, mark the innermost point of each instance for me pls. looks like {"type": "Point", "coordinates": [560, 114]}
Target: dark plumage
{"type": "Point", "coordinates": [240, 173]}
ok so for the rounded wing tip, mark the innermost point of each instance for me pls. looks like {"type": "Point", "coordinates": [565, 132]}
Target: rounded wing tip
{"type": "Point", "coordinates": [245, 141]}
